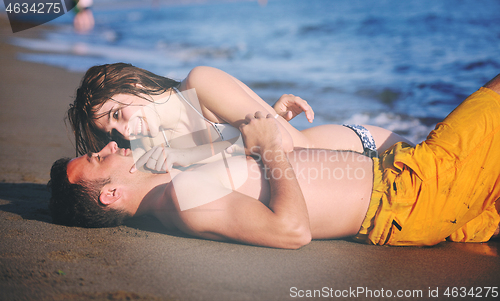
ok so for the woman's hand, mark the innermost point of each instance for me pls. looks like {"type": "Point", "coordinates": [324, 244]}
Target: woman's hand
{"type": "Point", "coordinates": [235, 150]}
{"type": "Point", "coordinates": [289, 106]}
{"type": "Point", "coordinates": [161, 159]}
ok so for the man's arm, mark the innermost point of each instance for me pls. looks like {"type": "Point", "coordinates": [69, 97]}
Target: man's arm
{"type": "Point", "coordinates": [262, 139]}
{"type": "Point", "coordinates": [284, 223]}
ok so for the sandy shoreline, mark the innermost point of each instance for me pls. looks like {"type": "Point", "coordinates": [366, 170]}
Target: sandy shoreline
{"type": "Point", "coordinates": [33, 99]}
{"type": "Point", "coordinates": [140, 261]}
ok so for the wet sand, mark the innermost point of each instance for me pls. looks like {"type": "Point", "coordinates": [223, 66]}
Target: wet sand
{"type": "Point", "coordinates": [141, 261]}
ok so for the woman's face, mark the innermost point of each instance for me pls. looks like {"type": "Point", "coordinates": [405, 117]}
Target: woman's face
{"type": "Point", "coordinates": [130, 115]}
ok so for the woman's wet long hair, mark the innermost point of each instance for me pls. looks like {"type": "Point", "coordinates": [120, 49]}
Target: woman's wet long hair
{"type": "Point", "coordinates": [99, 85]}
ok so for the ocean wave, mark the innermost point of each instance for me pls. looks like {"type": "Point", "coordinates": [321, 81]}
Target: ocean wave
{"type": "Point", "coordinates": [414, 129]}
{"type": "Point", "coordinates": [417, 59]}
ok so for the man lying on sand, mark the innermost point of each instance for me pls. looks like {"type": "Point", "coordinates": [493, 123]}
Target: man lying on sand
{"type": "Point", "coordinates": [444, 188]}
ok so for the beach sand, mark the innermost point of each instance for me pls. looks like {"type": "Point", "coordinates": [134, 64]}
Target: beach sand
{"type": "Point", "coordinates": [141, 261]}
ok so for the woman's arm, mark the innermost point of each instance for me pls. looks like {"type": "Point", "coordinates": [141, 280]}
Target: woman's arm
{"type": "Point", "coordinates": [225, 99]}
{"type": "Point", "coordinates": [161, 158]}
{"type": "Point", "coordinates": [230, 106]}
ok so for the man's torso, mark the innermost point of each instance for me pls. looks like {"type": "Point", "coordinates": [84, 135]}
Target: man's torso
{"type": "Point", "coordinates": [336, 186]}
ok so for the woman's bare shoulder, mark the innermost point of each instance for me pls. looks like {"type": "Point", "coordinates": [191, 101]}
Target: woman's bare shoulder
{"type": "Point", "coordinates": [201, 74]}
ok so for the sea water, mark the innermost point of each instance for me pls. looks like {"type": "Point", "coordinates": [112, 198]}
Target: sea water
{"type": "Point", "coordinates": [402, 65]}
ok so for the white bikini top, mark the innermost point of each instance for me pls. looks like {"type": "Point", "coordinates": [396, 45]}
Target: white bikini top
{"type": "Point", "coordinates": [224, 130]}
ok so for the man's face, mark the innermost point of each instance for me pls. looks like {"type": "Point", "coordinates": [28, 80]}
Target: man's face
{"type": "Point", "coordinates": [111, 160]}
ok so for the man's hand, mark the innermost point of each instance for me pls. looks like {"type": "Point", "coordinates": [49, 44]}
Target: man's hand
{"type": "Point", "coordinates": [289, 106]}
{"type": "Point", "coordinates": [260, 133]}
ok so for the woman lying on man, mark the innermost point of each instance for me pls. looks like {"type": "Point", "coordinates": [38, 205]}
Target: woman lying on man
{"type": "Point", "coordinates": [171, 123]}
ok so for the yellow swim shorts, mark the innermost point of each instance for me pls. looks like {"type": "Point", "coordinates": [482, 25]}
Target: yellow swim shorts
{"type": "Point", "coordinates": [445, 187]}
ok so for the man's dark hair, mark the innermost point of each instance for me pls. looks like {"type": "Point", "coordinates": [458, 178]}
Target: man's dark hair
{"type": "Point", "coordinates": [78, 204]}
